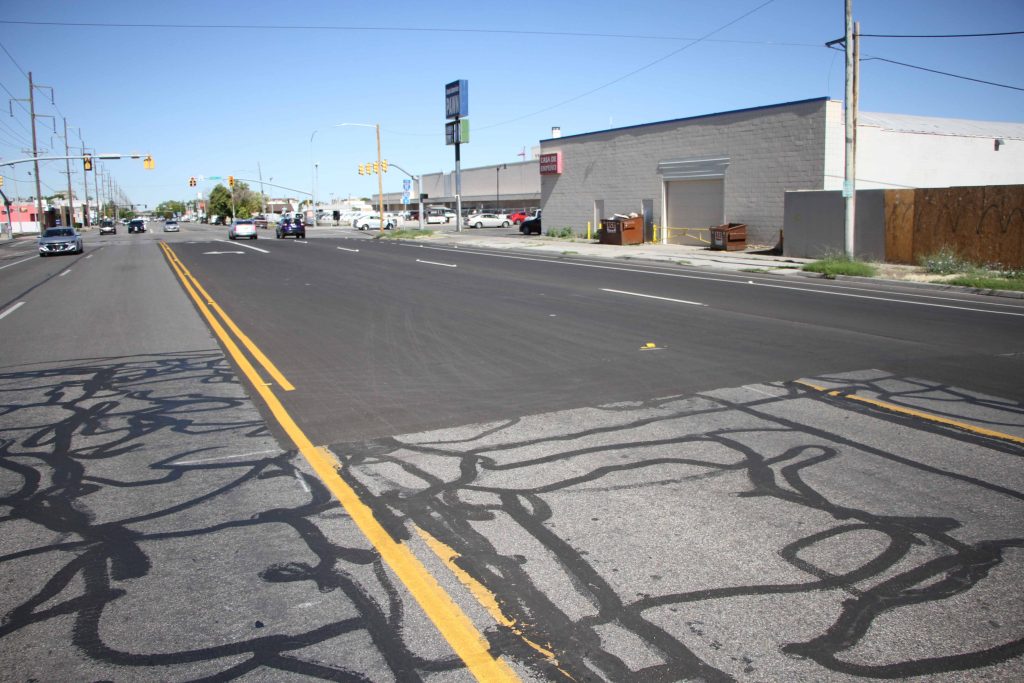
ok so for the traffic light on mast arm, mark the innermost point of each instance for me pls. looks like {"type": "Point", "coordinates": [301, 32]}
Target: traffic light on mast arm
{"type": "Point", "coordinates": [376, 167]}
{"type": "Point", "coordinates": [148, 163]}
{"type": "Point", "coordinates": [362, 169]}
{"type": "Point", "coordinates": [192, 181]}
{"type": "Point", "coordinates": [384, 166]}
{"type": "Point", "coordinates": [87, 162]}
{"type": "Point", "coordinates": [231, 180]}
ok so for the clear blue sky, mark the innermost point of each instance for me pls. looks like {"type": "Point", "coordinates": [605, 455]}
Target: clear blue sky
{"type": "Point", "coordinates": [219, 101]}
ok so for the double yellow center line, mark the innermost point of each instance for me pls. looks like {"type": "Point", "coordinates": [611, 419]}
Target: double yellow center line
{"type": "Point", "coordinates": [456, 627]}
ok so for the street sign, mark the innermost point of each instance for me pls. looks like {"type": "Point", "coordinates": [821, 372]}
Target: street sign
{"type": "Point", "coordinates": [405, 199]}
{"type": "Point", "coordinates": [406, 184]}
{"type": "Point", "coordinates": [456, 132]}
{"type": "Point", "coordinates": [456, 99]}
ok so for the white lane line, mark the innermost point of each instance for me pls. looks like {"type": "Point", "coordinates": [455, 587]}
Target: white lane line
{"type": "Point", "coordinates": [11, 309]}
{"type": "Point", "coordinates": [64, 273]}
{"type": "Point", "coordinates": [651, 296]}
{"type": "Point", "coordinates": [301, 242]}
{"type": "Point", "coordinates": [435, 263]}
{"type": "Point", "coordinates": [243, 245]}
{"type": "Point", "coordinates": [347, 249]}
{"type": "Point", "coordinates": [22, 245]}
{"type": "Point", "coordinates": [760, 283]}
{"type": "Point", "coordinates": [17, 262]}
{"type": "Point", "coordinates": [223, 457]}
{"type": "Point", "coordinates": [88, 257]}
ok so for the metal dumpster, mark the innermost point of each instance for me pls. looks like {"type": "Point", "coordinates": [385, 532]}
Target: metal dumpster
{"type": "Point", "coordinates": [622, 231]}
{"type": "Point", "coordinates": [729, 237]}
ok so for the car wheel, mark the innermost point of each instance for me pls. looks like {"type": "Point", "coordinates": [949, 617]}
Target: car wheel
{"type": "Point", "coordinates": [254, 237]}
{"type": "Point", "coordinates": [303, 236]}
{"type": "Point", "coordinates": [505, 224]}
{"type": "Point", "coordinates": [478, 226]}
{"type": "Point", "coordinates": [231, 237]}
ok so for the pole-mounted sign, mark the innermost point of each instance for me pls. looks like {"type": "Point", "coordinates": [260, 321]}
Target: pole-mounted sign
{"type": "Point", "coordinates": [456, 99]}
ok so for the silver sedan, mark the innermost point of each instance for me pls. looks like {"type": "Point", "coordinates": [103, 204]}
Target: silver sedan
{"type": "Point", "coordinates": [60, 241]}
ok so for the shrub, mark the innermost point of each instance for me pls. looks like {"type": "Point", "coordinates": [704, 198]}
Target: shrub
{"type": "Point", "coordinates": [945, 262]}
{"type": "Point", "coordinates": [561, 233]}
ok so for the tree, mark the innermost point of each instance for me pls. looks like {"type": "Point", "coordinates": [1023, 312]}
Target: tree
{"type": "Point", "coordinates": [247, 203]}
{"type": "Point", "coordinates": [220, 202]}
{"type": "Point", "coordinates": [170, 208]}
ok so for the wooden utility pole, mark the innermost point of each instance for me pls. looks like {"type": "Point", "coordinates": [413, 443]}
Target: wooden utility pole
{"type": "Point", "coordinates": [35, 151]}
{"type": "Point", "coordinates": [85, 181]}
{"type": "Point", "coordinates": [67, 167]}
{"type": "Point", "coordinates": [850, 175]}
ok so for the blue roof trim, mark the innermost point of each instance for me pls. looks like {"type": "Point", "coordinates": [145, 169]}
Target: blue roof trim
{"type": "Point", "coordinates": [690, 118]}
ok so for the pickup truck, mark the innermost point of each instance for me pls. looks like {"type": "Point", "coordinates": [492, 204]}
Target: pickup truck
{"type": "Point", "coordinates": [260, 221]}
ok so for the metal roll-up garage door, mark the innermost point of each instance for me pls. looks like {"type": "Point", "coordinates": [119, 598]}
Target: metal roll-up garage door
{"type": "Point", "coordinates": [694, 192]}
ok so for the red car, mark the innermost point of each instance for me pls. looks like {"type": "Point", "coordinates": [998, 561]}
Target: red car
{"type": "Point", "coordinates": [518, 217]}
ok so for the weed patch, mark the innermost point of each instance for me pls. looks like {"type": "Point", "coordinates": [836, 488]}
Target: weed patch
{"type": "Point", "coordinates": [406, 234]}
{"type": "Point", "coordinates": [841, 264]}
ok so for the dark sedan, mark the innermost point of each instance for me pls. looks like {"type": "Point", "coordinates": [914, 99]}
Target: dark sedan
{"type": "Point", "coordinates": [60, 241]}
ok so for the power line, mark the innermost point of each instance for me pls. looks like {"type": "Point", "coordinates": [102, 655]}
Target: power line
{"type": "Point", "coordinates": [946, 35]}
{"type": "Point", "coordinates": [943, 73]}
{"type": "Point", "coordinates": [393, 29]}
{"type": "Point", "coordinates": [23, 73]}
{"type": "Point", "coordinates": [703, 38]}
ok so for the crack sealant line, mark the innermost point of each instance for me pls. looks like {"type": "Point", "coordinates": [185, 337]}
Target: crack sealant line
{"type": "Point", "coordinates": [892, 407]}
{"type": "Point", "coordinates": [454, 625]}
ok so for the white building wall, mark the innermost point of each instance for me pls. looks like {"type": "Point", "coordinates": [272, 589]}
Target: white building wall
{"type": "Point", "coordinates": [895, 159]}
{"type": "Point", "coordinates": [481, 183]}
{"type": "Point", "coordinates": [770, 149]}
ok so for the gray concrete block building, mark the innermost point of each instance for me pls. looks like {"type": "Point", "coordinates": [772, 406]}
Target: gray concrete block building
{"type": "Point", "coordinates": [691, 173]}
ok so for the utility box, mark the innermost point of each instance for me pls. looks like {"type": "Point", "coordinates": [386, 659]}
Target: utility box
{"type": "Point", "coordinates": [621, 231]}
{"type": "Point", "coordinates": [729, 237]}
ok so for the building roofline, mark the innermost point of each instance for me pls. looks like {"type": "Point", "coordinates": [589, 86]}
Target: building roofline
{"type": "Point", "coordinates": [690, 118]}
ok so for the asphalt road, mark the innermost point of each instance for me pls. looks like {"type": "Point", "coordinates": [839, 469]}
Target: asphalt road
{"type": "Point", "coordinates": [614, 470]}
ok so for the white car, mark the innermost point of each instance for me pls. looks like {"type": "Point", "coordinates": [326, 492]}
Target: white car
{"type": "Point", "coordinates": [488, 220]}
{"type": "Point", "coordinates": [367, 222]}
{"type": "Point", "coordinates": [243, 227]}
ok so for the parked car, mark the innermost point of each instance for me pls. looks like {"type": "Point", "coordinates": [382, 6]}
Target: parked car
{"type": "Point", "coordinates": [290, 226]}
{"type": "Point", "coordinates": [60, 241]}
{"type": "Point", "coordinates": [487, 220]}
{"type": "Point", "coordinates": [170, 225]}
{"type": "Point", "coordinates": [243, 227]}
{"type": "Point", "coordinates": [518, 217]}
{"type": "Point", "coordinates": [108, 227]}
{"type": "Point", "coordinates": [371, 223]}
{"type": "Point", "coordinates": [136, 225]}
{"type": "Point", "coordinates": [531, 226]}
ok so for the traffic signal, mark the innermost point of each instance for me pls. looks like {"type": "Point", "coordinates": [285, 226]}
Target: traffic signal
{"type": "Point", "coordinates": [362, 169]}
{"type": "Point", "coordinates": [384, 166]}
{"type": "Point", "coordinates": [87, 162]}
{"type": "Point", "coordinates": [376, 167]}
{"type": "Point", "coordinates": [147, 163]}
{"type": "Point", "coordinates": [231, 181]}
{"type": "Point", "coordinates": [1, 181]}
{"type": "Point", "coordinates": [192, 181]}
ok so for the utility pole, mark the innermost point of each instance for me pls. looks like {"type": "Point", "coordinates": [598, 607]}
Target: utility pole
{"type": "Point", "coordinates": [35, 151]}
{"type": "Point", "coordinates": [380, 183]}
{"type": "Point", "coordinates": [67, 167]}
{"type": "Point", "coordinates": [263, 197]}
{"type": "Point", "coordinates": [850, 175]}
{"type": "Point", "coordinates": [85, 182]}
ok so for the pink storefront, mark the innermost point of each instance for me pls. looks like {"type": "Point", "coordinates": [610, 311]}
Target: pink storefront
{"type": "Point", "coordinates": [22, 220]}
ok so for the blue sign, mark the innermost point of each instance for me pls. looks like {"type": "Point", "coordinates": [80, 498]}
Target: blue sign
{"type": "Point", "coordinates": [456, 99]}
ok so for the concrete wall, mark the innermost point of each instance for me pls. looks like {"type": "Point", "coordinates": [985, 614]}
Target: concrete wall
{"type": "Point", "coordinates": [771, 150]}
{"type": "Point", "coordinates": [520, 180]}
{"type": "Point", "coordinates": [815, 224]}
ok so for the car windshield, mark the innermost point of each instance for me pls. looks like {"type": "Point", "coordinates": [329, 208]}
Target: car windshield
{"type": "Point", "coordinates": [59, 232]}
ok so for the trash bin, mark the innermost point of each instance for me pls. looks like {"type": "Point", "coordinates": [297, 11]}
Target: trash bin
{"type": "Point", "coordinates": [621, 231]}
{"type": "Point", "coordinates": [729, 237]}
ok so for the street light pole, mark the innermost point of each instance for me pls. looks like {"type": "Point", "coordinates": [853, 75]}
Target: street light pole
{"type": "Point", "coordinates": [497, 189]}
{"type": "Point", "coordinates": [313, 171]}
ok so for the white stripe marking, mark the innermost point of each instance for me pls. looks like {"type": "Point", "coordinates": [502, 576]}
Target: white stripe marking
{"type": "Point", "coordinates": [435, 263]}
{"type": "Point", "coordinates": [88, 257]}
{"type": "Point", "coordinates": [301, 242]}
{"type": "Point", "coordinates": [243, 245]}
{"type": "Point", "coordinates": [223, 457]}
{"type": "Point", "coordinates": [347, 249]}
{"type": "Point", "coordinates": [17, 262]}
{"type": "Point", "coordinates": [651, 296]}
{"type": "Point", "coordinates": [723, 279]}
{"type": "Point", "coordinates": [64, 273]}
{"type": "Point", "coordinates": [302, 481]}
{"type": "Point", "coordinates": [12, 309]}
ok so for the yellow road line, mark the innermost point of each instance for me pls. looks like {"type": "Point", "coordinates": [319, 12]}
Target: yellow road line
{"type": "Point", "coordinates": [267, 364]}
{"type": "Point", "coordinates": [450, 620]}
{"type": "Point", "coordinates": [483, 595]}
{"type": "Point", "coordinates": [974, 429]}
